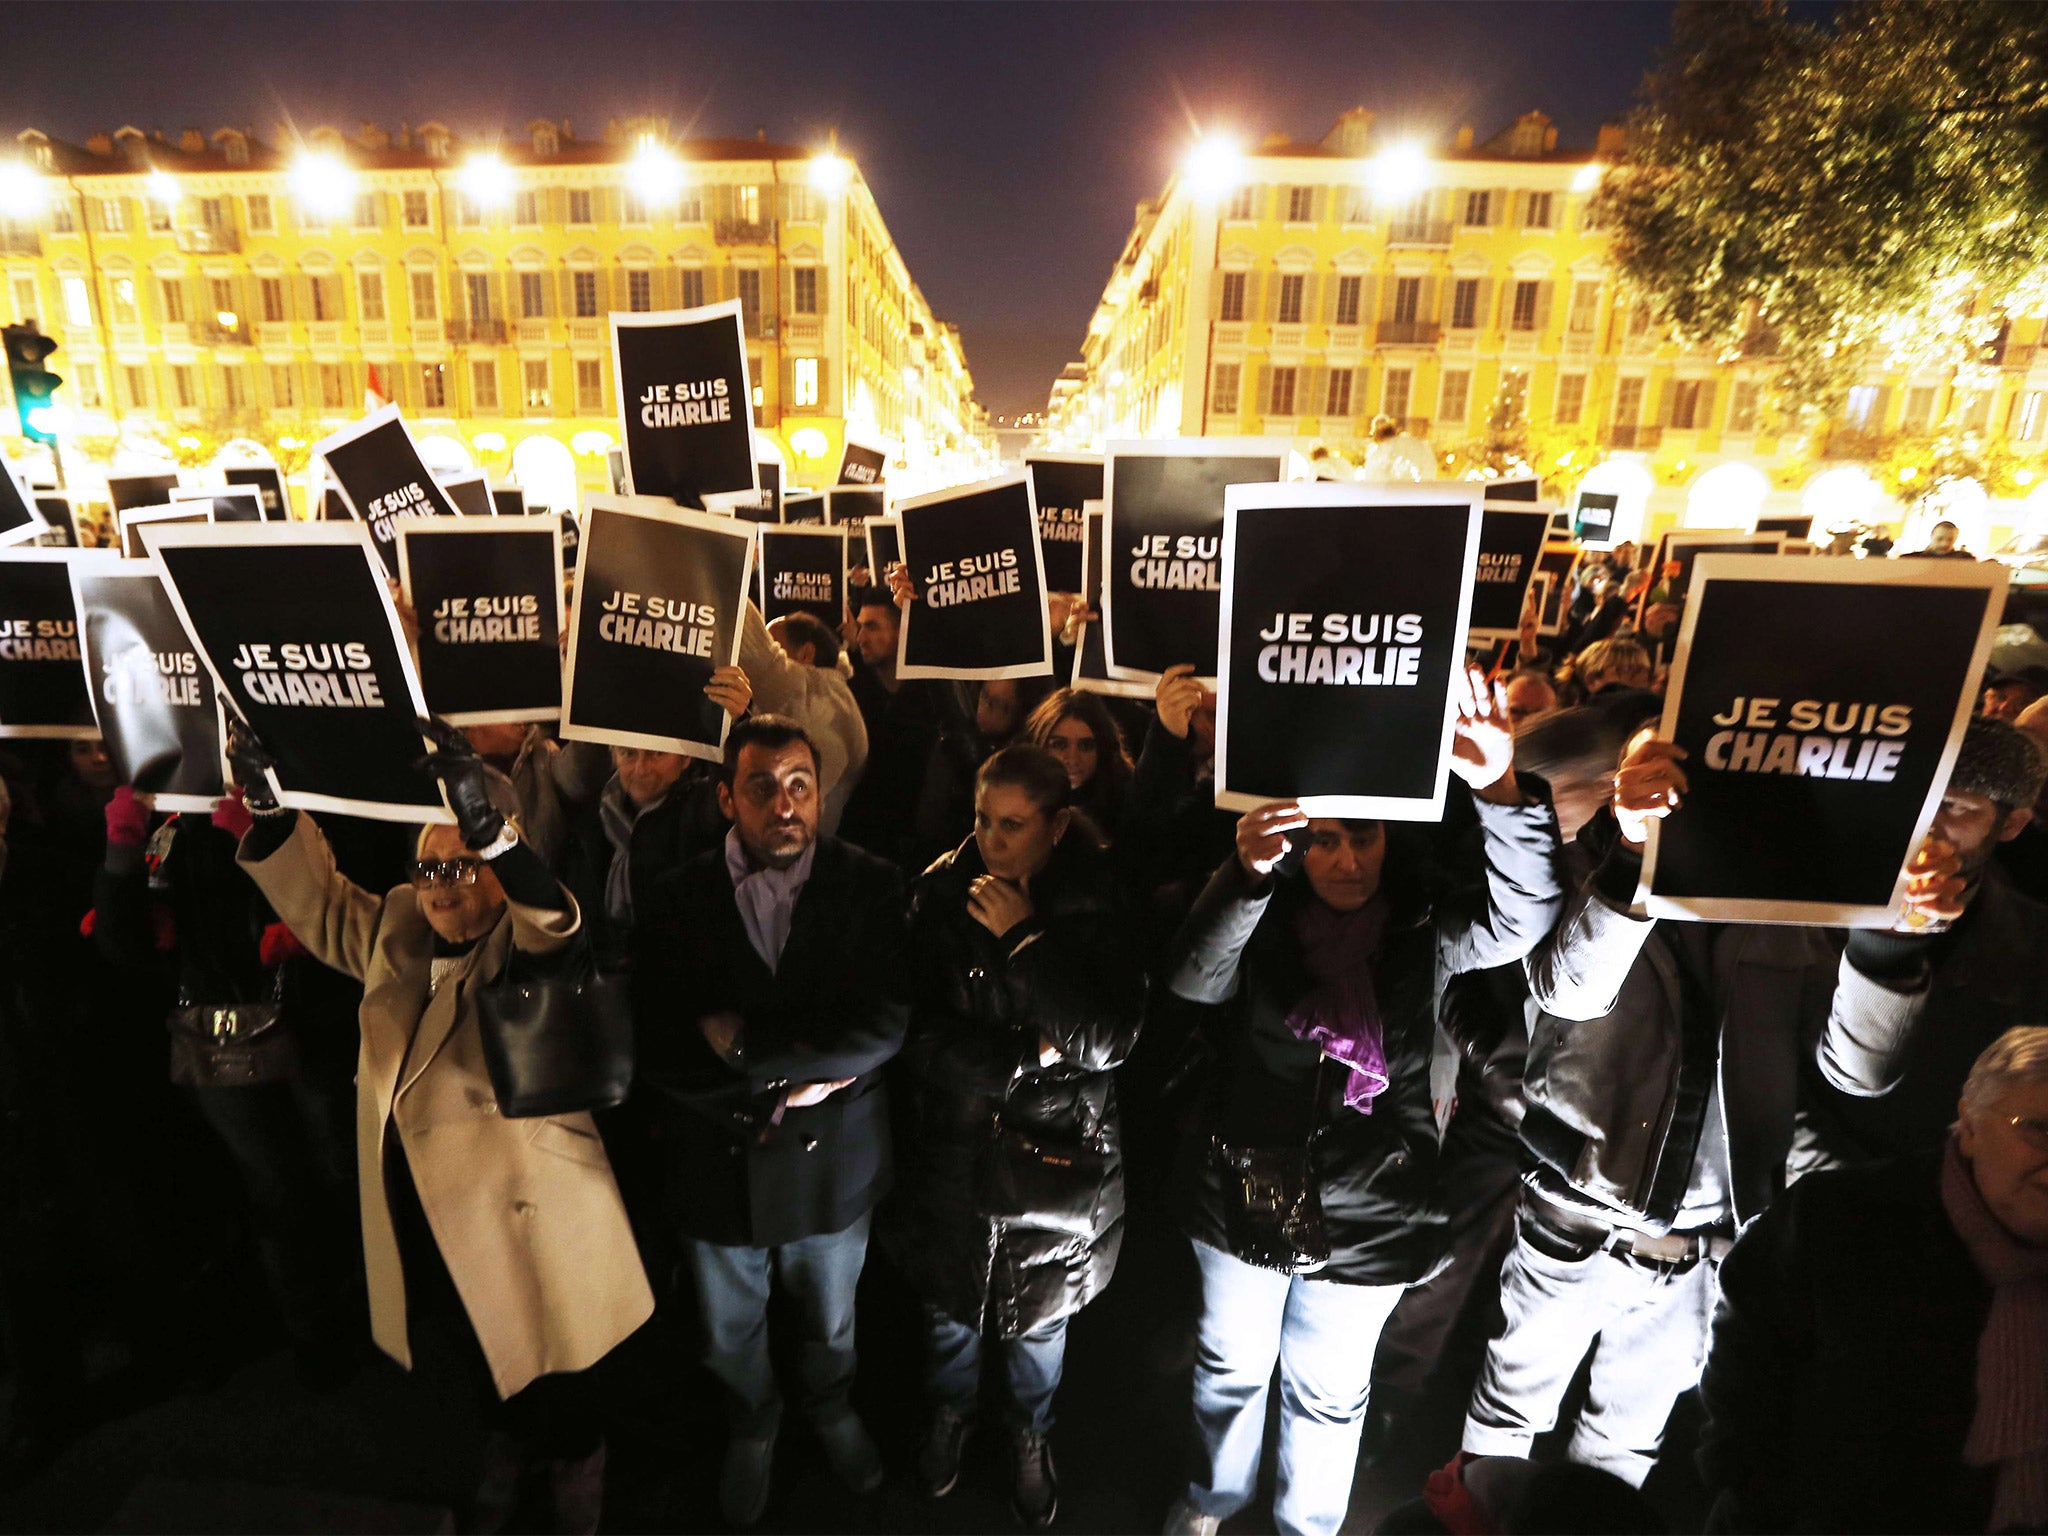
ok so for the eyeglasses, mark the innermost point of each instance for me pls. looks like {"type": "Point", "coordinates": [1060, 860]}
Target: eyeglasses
{"type": "Point", "coordinates": [2030, 1130]}
{"type": "Point", "coordinates": [432, 872]}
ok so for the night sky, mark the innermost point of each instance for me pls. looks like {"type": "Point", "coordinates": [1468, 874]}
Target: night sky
{"type": "Point", "coordinates": [1007, 143]}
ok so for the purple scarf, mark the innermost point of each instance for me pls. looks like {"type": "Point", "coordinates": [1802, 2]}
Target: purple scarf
{"type": "Point", "coordinates": [1341, 1014]}
{"type": "Point", "coordinates": [2010, 1430]}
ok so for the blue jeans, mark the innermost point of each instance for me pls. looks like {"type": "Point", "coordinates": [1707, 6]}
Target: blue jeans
{"type": "Point", "coordinates": [1323, 1335]}
{"type": "Point", "coordinates": [1031, 1367]}
{"type": "Point", "coordinates": [819, 1275]}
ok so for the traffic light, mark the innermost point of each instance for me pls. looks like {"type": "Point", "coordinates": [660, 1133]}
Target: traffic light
{"type": "Point", "coordinates": [34, 385]}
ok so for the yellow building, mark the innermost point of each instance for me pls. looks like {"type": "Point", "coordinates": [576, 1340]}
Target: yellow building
{"type": "Point", "coordinates": [1300, 290]}
{"type": "Point", "coordinates": [223, 287]}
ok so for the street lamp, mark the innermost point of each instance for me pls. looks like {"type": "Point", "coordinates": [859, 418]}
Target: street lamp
{"type": "Point", "coordinates": [23, 193]}
{"type": "Point", "coordinates": [1398, 172]}
{"type": "Point", "coordinates": [163, 188]}
{"type": "Point", "coordinates": [1214, 167]}
{"type": "Point", "coordinates": [323, 183]}
{"type": "Point", "coordinates": [487, 181]}
{"type": "Point", "coordinates": [830, 172]}
{"type": "Point", "coordinates": [1588, 177]}
{"type": "Point", "coordinates": [654, 173]}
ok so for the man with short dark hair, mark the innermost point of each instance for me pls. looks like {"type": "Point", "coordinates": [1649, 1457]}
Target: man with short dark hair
{"type": "Point", "coordinates": [1941, 545]}
{"type": "Point", "coordinates": [770, 993]}
{"type": "Point", "coordinates": [795, 667]}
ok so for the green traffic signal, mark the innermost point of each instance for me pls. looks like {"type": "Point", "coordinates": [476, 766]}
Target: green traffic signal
{"type": "Point", "coordinates": [35, 387]}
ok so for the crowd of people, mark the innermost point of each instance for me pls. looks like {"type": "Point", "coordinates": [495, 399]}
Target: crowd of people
{"type": "Point", "coordinates": [975, 975]}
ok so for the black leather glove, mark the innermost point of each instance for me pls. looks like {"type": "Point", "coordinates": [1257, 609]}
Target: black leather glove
{"type": "Point", "coordinates": [463, 776]}
{"type": "Point", "coordinates": [251, 760]}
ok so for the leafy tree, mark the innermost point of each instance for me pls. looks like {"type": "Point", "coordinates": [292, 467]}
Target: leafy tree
{"type": "Point", "coordinates": [1856, 195]}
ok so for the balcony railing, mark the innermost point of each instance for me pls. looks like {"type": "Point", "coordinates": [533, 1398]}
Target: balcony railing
{"type": "Point", "coordinates": [1634, 436]}
{"type": "Point", "coordinates": [760, 326]}
{"type": "Point", "coordinates": [211, 333]}
{"type": "Point", "coordinates": [486, 332]}
{"type": "Point", "coordinates": [739, 232]}
{"type": "Point", "coordinates": [203, 241]}
{"type": "Point", "coordinates": [1419, 232]}
{"type": "Point", "coordinates": [16, 241]}
{"type": "Point", "coordinates": [1409, 333]}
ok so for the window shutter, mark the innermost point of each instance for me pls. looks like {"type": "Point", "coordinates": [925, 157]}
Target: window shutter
{"type": "Point", "coordinates": [301, 290]}
{"type": "Point", "coordinates": [566, 286]}
{"type": "Point", "coordinates": [1426, 303]}
{"type": "Point", "coordinates": [1389, 287]}
{"type": "Point", "coordinates": [1703, 413]}
{"type": "Point", "coordinates": [1262, 385]}
{"type": "Point", "coordinates": [1319, 204]}
{"type": "Point", "coordinates": [1311, 295]}
{"type": "Point", "coordinates": [1309, 397]}
{"type": "Point", "coordinates": [1271, 313]}
{"type": "Point", "coordinates": [1544, 292]}
{"type": "Point", "coordinates": [1325, 313]}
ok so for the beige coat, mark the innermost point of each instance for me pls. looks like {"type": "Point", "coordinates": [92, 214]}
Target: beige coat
{"type": "Point", "coordinates": [525, 1212]}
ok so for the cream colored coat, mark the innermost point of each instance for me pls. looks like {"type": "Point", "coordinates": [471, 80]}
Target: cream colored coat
{"type": "Point", "coordinates": [525, 1212]}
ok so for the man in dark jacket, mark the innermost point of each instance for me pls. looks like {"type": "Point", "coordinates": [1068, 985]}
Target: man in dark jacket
{"type": "Point", "coordinates": [1913, 1008]}
{"type": "Point", "coordinates": [1878, 1360]}
{"type": "Point", "coordinates": [1660, 1091]}
{"type": "Point", "coordinates": [767, 1001]}
{"type": "Point", "coordinates": [1027, 994]}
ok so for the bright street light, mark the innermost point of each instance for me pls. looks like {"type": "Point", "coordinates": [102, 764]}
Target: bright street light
{"type": "Point", "coordinates": [488, 442]}
{"type": "Point", "coordinates": [1398, 172]}
{"type": "Point", "coordinates": [487, 180]}
{"type": "Point", "coordinates": [22, 191]}
{"type": "Point", "coordinates": [323, 183]}
{"type": "Point", "coordinates": [654, 173]}
{"type": "Point", "coordinates": [1588, 177]}
{"type": "Point", "coordinates": [592, 442]}
{"type": "Point", "coordinates": [809, 442]}
{"type": "Point", "coordinates": [1214, 167]}
{"type": "Point", "coordinates": [830, 173]}
{"type": "Point", "coordinates": [163, 188]}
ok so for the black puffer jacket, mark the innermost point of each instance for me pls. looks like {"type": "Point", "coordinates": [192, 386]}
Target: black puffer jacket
{"type": "Point", "coordinates": [1010, 1201]}
{"type": "Point", "coordinates": [1375, 1171]}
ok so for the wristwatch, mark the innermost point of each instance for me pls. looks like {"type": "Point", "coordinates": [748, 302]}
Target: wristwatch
{"type": "Point", "coordinates": [508, 836]}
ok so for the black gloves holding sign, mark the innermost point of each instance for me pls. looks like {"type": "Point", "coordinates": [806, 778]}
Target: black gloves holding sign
{"type": "Point", "coordinates": [464, 779]}
{"type": "Point", "coordinates": [251, 762]}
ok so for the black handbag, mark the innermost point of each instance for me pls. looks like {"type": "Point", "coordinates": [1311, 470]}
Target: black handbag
{"type": "Point", "coordinates": [241, 1045]}
{"type": "Point", "coordinates": [1033, 1183]}
{"type": "Point", "coordinates": [1273, 1213]}
{"type": "Point", "coordinates": [557, 1033]}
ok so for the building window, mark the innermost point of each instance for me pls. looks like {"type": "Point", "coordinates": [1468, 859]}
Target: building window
{"type": "Point", "coordinates": [1337, 403]}
{"type": "Point", "coordinates": [366, 210]}
{"type": "Point", "coordinates": [416, 215]}
{"type": "Point", "coordinates": [535, 372]}
{"type": "Point", "coordinates": [77, 301]}
{"type": "Point", "coordinates": [1454, 403]}
{"type": "Point", "coordinates": [426, 299]}
{"type": "Point", "coordinates": [234, 389]}
{"type": "Point", "coordinates": [113, 215]}
{"type": "Point", "coordinates": [182, 387]}
{"type": "Point", "coordinates": [1280, 400]}
{"type": "Point", "coordinates": [1407, 299]}
{"type": "Point", "coordinates": [469, 213]}
{"type": "Point", "coordinates": [690, 207]}
{"type": "Point", "coordinates": [1301, 205]}
{"type": "Point", "coordinates": [270, 299]}
{"type": "Point", "coordinates": [749, 281]}
{"type": "Point", "coordinates": [1291, 286]}
{"type": "Point", "coordinates": [804, 290]}
{"type": "Point", "coordinates": [1628, 402]}
{"type": "Point", "coordinates": [477, 289]}
{"type": "Point", "coordinates": [284, 392]}
{"type": "Point", "coordinates": [693, 287]}
{"type": "Point", "coordinates": [583, 286]}
{"type": "Point", "coordinates": [173, 291]}
{"type": "Point", "coordinates": [1585, 308]}
{"type": "Point", "coordinates": [87, 378]}
{"type": "Point", "coordinates": [333, 386]}
{"type": "Point", "coordinates": [746, 204]}
{"type": "Point", "coordinates": [137, 377]}
{"type": "Point", "coordinates": [804, 381]}
{"type": "Point", "coordinates": [224, 300]}
{"type": "Point", "coordinates": [370, 296]}
{"type": "Point", "coordinates": [640, 291]}
{"type": "Point", "coordinates": [123, 291]}
{"type": "Point", "coordinates": [526, 207]}
{"type": "Point", "coordinates": [1223, 395]}
{"type": "Point", "coordinates": [533, 295]}
{"type": "Point", "coordinates": [1513, 400]}
{"type": "Point", "coordinates": [323, 299]}
{"type": "Point", "coordinates": [634, 208]}
{"type": "Point", "coordinates": [1919, 415]}
{"type": "Point", "coordinates": [1571, 399]}
{"type": "Point", "coordinates": [433, 387]}
{"type": "Point", "coordinates": [589, 386]}
{"type": "Point", "coordinates": [1233, 296]}
{"type": "Point", "coordinates": [1524, 318]}
{"type": "Point", "coordinates": [25, 306]}
{"type": "Point", "coordinates": [1857, 411]}
{"type": "Point", "coordinates": [1536, 210]}
{"type": "Point", "coordinates": [262, 219]}
{"type": "Point", "coordinates": [61, 220]}
{"type": "Point", "coordinates": [2025, 418]}
{"type": "Point", "coordinates": [1478, 205]}
{"type": "Point", "coordinates": [1241, 203]}
{"type": "Point", "coordinates": [1742, 406]}
{"type": "Point", "coordinates": [483, 384]}
{"type": "Point", "coordinates": [1400, 381]}
{"type": "Point", "coordinates": [579, 205]}
{"type": "Point", "coordinates": [1349, 292]}
{"type": "Point", "coordinates": [1465, 304]}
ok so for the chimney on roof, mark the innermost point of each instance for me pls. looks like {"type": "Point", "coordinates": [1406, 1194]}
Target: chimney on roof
{"type": "Point", "coordinates": [1612, 142]}
{"type": "Point", "coordinates": [370, 136]}
{"type": "Point", "coordinates": [101, 144]}
{"type": "Point", "coordinates": [568, 130]}
{"type": "Point", "coordinates": [192, 142]}
{"type": "Point", "coordinates": [1464, 139]}
{"type": "Point", "coordinates": [1352, 134]}
{"type": "Point", "coordinates": [761, 134]}
{"type": "Point", "coordinates": [404, 134]}
{"type": "Point", "coordinates": [1527, 139]}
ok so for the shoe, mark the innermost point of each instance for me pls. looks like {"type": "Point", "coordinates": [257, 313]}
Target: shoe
{"type": "Point", "coordinates": [1186, 1520]}
{"type": "Point", "coordinates": [851, 1451]}
{"type": "Point", "coordinates": [577, 1491]}
{"type": "Point", "coordinates": [1385, 1431]}
{"type": "Point", "coordinates": [938, 1462]}
{"type": "Point", "coordinates": [496, 1498]}
{"type": "Point", "coordinates": [743, 1485]}
{"type": "Point", "coordinates": [1035, 1495]}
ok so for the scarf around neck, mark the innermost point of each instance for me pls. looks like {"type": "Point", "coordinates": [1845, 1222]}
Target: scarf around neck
{"type": "Point", "coordinates": [1341, 1012]}
{"type": "Point", "coordinates": [2010, 1429]}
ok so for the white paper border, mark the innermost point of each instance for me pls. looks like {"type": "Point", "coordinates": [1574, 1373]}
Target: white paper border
{"type": "Point", "coordinates": [30, 555]}
{"type": "Point", "coordinates": [650, 319]}
{"type": "Point", "coordinates": [434, 528]}
{"type": "Point", "coordinates": [1548, 509]}
{"type": "Point", "coordinates": [1043, 667]}
{"type": "Point", "coordinates": [138, 570]}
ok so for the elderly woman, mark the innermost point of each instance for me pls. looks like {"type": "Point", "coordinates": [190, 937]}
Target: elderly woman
{"type": "Point", "coordinates": [511, 1231]}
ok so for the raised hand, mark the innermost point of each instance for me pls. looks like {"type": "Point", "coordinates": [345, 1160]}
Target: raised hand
{"type": "Point", "coordinates": [1483, 739]}
{"type": "Point", "coordinates": [1262, 840]}
{"type": "Point", "coordinates": [464, 778]}
{"type": "Point", "coordinates": [730, 691]}
{"type": "Point", "coordinates": [1648, 787]}
{"type": "Point", "coordinates": [251, 763]}
{"type": "Point", "coordinates": [1178, 695]}
{"type": "Point", "coordinates": [1934, 887]}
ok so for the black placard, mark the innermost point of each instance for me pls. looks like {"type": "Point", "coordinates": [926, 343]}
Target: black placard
{"type": "Point", "coordinates": [1522, 488]}
{"type": "Point", "coordinates": [42, 682]}
{"type": "Point", "coordinates": [850, 507]}
{"type": "Point", "coordinates": [1510, 542]}
{"type": "Point", "coordinates": [296, 624]}
{"type": "Point", "coordinates": [380, 474]}
{"type": "Point", "coordinates": [334, 507]}
{"type": "Point", "coordinates": [685, 411]}
{"type": "Point", "coordinates": [62, 517]}
{"type": "Point", "coordinates": [884, 548]}
{"type": "Point", "coordinates": [238, 504]}
{"type": "Point", "coordinates": [151, 693]}
{"type": "Point", "coordinates": [1163, 541]}
{"type": "Point", "coordinates": [487, 599]}
{"type": "Point", "coordinates": [508, 501]}
{"type": "Point", "coordinates": [1062, 485]}
{"type": "Point", "coordinates": [805, 509]}
{"type": "Point", "coordinates": [659, 595]}
{"type": "Point", "coordinates": [1557, 562]}
{"type": "Point", "coordinates": [135, 519]}
{"type": "Point", "coordinates": [1338, 668]}
{"type": "Point", "coordinates": [20, 521]}
{"type": "Point", "coordinates": [972, 553]}
{"type": "Point", "coordinates": [572, 539]}
{"type": "Point", "coordinates": [471, 493]}
{"type": "Point", "coordinates": [1817, 745]}
{"type": "Point", "coordinates": [766, 506]}
{"type": "Point", "coordinates": [269, 483]}
{"type": "Point", "coordinates": [126, 491]}
{"type": "Point", "coordinates": [1793, 527]}
{"type": "Point", "coordinates": [861, 464]}
{"type": "Point", "coordinates": [803, 570]}
{"type": "Point", "coordinates": [1593, 517]}
{"type": "Point", "coordinates": [1091, 662]}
